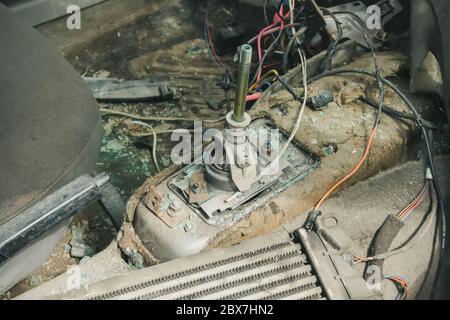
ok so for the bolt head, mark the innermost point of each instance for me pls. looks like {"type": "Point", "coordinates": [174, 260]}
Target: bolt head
{"type": "Point", "coordinates": [195, 188]}
{"type": "Point", "coordinates": [189, 227]}
{"type": "Point", "coordinates": [175, 205]}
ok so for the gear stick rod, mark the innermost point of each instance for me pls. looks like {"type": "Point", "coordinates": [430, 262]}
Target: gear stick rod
{"type": "Point", "coordinates": [245, 60]}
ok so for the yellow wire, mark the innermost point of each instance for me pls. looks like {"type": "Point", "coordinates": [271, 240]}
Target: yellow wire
{"type": "Point", "coordinates": [273, 71]}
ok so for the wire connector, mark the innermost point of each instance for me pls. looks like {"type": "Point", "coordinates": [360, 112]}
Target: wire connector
{"type": "Point", "coordinates": [311, 221]}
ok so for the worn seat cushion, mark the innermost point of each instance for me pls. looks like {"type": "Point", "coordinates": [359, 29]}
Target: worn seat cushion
{"type": "Point", "coordinates": [50, 127]}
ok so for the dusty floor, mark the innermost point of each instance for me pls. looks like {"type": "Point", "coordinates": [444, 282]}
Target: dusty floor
{"type": "Point", "coordinates": [145, 40]}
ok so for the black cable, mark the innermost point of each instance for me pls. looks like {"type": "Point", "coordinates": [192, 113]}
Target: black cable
{"type": "Point", "coordinates": [358, 19]}
{"type": "Point", "coordinates": [278, 10]}
{"type": "Point", "coordinates": [271, 47]}
{"type": "Point", "coordinates": [289, 89]}
{"type": "Point", "coordinates": [295, 36]}
{"type": "Point", "coordinates": [268, 51]}
{"type": "Point", "coordinates": [419, 121]}
{"type": "Point", "coordinates": [301, 11]}
{"type": "Point", "coordinates": [389, 111]}
{"type": "Point", "coordinates": [430, 262]}
{"type": "Point", "coordinates": [401, 116]}
{"type": "Point", "coordinates": [442, 221]}
{"type": "Point", "coordinates": [266, 17]}
{"type": "Point", "coordinates": [431, 163]}
{"type": "Point", "coordinates": [379, 82]}
{"type": "Point", "coordinates": [332, 48]}
{"type": "Point", "coordinates": [333, 45]}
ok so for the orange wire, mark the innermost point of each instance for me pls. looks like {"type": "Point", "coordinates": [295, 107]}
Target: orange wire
{"type": "Point", "coordinates": [417, 202]}
{"type": "Point", "coordinates": [351, 174]}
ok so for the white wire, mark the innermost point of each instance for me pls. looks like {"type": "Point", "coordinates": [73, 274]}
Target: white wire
{"type": "Point", "coordinates": [155, 141]}
{"type": "Point", "coordinates": [291, 9]}
{"type": "Point", "coordinates": [302, 110]}
{"type": "Point", "coordinates": [297, 124]}
{"type": "Point", "coordinates": [303, 107]}
{"type": "Point", "coordinates": [294, 31]}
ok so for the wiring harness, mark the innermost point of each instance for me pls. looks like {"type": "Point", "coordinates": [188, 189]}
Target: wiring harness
{"type": "Point", "coordinates": [279, 26]}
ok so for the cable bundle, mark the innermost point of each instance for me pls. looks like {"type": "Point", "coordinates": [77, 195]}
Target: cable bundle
{"type": "Point", "coordinates": [403, 215]}
{"type": "Point", "coordinates": [402, 287]}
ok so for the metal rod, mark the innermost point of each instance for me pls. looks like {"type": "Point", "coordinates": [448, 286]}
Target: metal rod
{"type": "Point", "coordinates": [59, 206]}
{"type": "Point", "coordinates": [245, 61]}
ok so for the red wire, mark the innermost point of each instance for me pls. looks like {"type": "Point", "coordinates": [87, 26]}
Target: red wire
{"type": "Point", "coordinates": [277, 25]}
{"type": "Point", "coordinates": [411, 205]}
{"type": "Point", "coordinates": [260, 49]}
{"type": "Point", "coordinates": [273, 30]}
{"type": "Point", "coordinates": [253, 97]}
{"type": "Point", "coordinates": [211, 44]}
{"type": "Point", "coordinates": [277, 21]}
{"type": "Point", "coordinates": [415, 204]}
{"type": "Point", "coordinates": [405, 215]}
{"type": "Point", "coordinates": [402, 283]}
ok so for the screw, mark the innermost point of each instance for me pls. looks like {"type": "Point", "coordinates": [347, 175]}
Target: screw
{"type": "Point", "coordinates": [195, 188]}
{"type": "Point", "coordinates": [188, 227]}
{"type": "Point", "coordinates": [175, 205]}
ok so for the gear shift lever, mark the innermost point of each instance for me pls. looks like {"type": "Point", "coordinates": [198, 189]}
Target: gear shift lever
{"type": "Point", "coordinates": [240, 154]}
